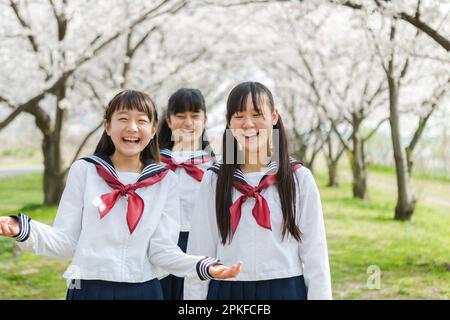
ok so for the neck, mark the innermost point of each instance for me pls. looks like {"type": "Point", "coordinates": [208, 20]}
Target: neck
{"type": "Point", "coordinates": [124, 163]}
{"type": "Point", "coordinates": [255, 162]}
{"type": "Point", "coordinates": [186, 146]}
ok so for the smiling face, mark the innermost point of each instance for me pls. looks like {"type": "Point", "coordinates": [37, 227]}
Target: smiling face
{"type": "Point", "coordinates": [130, 132]}
{"type": "Point", "coordinates": [187, 127]}
{"type": "Point", "coordinates": [252, 126]}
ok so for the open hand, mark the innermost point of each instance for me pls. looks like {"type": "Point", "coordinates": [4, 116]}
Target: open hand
{"type": "Point", "coordinates": [9, 227]}
{"type": "Point", "coordinates": [219, 271]}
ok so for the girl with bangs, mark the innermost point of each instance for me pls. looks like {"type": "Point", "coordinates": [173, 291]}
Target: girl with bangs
{"type": "Point", "coordinates": [186, 151]}
{"type": "Point", "coordinates": [261, 207]}
{"type": "Point", "coordinates": [119, 214]}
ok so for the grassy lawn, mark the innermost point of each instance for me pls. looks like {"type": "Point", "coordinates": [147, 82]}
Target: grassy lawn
{"type": "Point", "coordinates": [28, 276]}
{"type": "Point", "coordinates": [413, 258]}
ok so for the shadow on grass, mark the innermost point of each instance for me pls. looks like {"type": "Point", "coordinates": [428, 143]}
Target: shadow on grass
{"type": "Point", "coordinates": [33, 207]}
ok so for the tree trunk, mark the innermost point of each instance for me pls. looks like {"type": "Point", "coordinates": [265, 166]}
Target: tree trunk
{"type": "Point", "coordinates": [409, 160]}
{"type": "Point", "coordinates": [332, 163]}
{"type": "Point", "coordinates": [405, 198]}
{"type": "Point", "coordinates": [358, 161]}
{"type": "Point", "coordinates": [53, 177]}
{"type": "Point", "coordinates": [310, 162]}
{"type": "Point", "coordinates": [333, 180]}
{"type": "Point", "coordinates": [359, 171]}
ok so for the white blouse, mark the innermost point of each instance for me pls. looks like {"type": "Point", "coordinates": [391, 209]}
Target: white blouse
{"type": "Point", "coordinates": [263, 252]}
{"type": "Point", "coordinates": [104, 249]}
{"type": "Point", "coordinates": [188, 188]}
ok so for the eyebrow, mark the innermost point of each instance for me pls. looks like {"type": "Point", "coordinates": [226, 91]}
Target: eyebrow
{"type": "Point", "coordinates": [126, 113]}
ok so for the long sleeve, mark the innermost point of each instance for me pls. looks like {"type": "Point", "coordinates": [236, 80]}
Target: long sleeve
{"type": "Point", "coordinates": [313, 247]}
{"type": "Point", "coordinates": [203, 237]}
{"type": "Point", "coordinates": [59, 241]}
{"type": "Point", "coordinates": [163, 249]}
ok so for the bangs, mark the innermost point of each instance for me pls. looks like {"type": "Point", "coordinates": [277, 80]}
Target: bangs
{"type": "Point", "coordinates": [132, 100]}
{"type": "Point", "coordinates": [186, 100]}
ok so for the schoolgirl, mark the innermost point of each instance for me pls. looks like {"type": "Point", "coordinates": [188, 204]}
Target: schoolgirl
{"type": "Point", "coordinates": [261, 207]}
{"type": "Point", "coordinates": [119, 214]}
{"type": "Point", "coordinates": [186, 151]}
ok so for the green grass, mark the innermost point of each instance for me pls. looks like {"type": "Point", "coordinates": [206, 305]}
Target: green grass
{"type": "Point", "coordinates": [413, 257]}
{"type": "Point", "coordinates": [435, 176]}
{"type": "Point", "coordinates": [28, 276]}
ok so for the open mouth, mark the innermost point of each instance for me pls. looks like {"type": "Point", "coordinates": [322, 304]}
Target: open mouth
{"type": "Point", "coordinates": [131, 140]}
{"type": "Point", "coordinates": [250, 135]}
{"type": "Point", "coordinates": [187, 131]}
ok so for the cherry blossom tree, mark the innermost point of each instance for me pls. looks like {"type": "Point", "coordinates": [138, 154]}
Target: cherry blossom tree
{"type": "Point", "coordinates": [46, 44]}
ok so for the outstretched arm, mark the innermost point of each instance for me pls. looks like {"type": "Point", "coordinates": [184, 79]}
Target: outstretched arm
{"type": "Point", "coordinates": [60, 240]}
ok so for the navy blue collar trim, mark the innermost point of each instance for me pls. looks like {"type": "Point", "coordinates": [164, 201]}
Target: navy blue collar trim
{"type": "Point", "coordinates": [103, 160]}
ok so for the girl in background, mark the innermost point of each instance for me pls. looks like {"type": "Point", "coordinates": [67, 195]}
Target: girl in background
{"type": "Point", "coordinates": [119, 214]}
{"type": "Point", "coordinates": [186, 151]}
{"type": "Point", "coordinates": [260, 207]}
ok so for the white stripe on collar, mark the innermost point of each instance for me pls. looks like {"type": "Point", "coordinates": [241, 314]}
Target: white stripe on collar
{"type": "Point", "coordinates": [148, 171]}
{"type": "Point", "coordinates": [272, 168]}
{"type": "Point", "coordinates": [194, 154]}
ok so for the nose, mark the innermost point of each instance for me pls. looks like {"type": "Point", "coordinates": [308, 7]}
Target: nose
{"type": "Point", "coordinates": [189, 121]}
{"type": "Point", "coordinates": [132, 126]}
{"type": "Point", "coordinates": [248, 123]}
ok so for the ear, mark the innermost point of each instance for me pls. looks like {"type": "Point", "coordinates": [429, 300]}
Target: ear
{"type": "Point", "coordinates": [107, 127]}
{"type": "Point", "coordinates": [154, 130]}
{"type": "Point", "coordinates": [206, 120]}
{"type": "Point", "coordinates": [275, 116]}
{"type": "Point", "coordinates": [168, 122]}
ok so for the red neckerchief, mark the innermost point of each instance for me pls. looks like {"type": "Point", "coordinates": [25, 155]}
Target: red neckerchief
{"type": "Point", "coordinates": [260, 211]}
{"type": "Point", "coordinates": [190, 165]}
{"type": "Point", "coordinates": [150, 175]}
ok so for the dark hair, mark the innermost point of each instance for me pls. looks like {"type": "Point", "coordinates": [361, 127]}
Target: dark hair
{"type": "Point", "coordinates": [130, 100]}
{"type": "Point", "coordinates": [182, 100]}
{"type": "Point", "coordinates": [285, 180]}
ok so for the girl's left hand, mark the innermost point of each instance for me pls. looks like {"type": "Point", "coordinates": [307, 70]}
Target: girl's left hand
{"type": "Point", "coordinates": [219, 271]}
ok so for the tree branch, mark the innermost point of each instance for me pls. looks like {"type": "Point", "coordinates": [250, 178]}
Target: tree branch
{"type": "Point", "coordinates": [60, 20]}
{"type": "Point", "coordinates": [31, 39]}
{"type": "Point", "coordinates": [414, 20]}
{"type": "Point", "coordinates": [2, 99]}
{"type": "Point", "coordinates": [424, 119]}
{"type": "Point", "coordinates": [83, 142]}
{"type": "Point", "coordinates": [375, 129]}
{"type": "Point", "coordinates": [341, 138]}
{"type": "Point", "coordinates": [240, 3]}
{"type": "Point", "coordinates": [419, 24]}
{"type": "Point", "coordinates": [12, 116]}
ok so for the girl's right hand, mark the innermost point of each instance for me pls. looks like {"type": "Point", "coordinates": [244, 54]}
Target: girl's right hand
{"type": "Point", "coordinates": [219, 271]}
{"type": "Point", "coordinates": [9, 227]}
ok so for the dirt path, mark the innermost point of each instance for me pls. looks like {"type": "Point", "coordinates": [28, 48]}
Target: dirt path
{"type": "Point", "coordinates": [14, 172]}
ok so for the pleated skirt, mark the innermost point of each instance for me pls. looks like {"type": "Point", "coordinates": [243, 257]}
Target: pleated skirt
{"type": "Point", "coordinates": [277, 289]}
{"type": "Point", "coordinates": [108, 290]}
{"type": "Point", "coordinates": [173, 286]}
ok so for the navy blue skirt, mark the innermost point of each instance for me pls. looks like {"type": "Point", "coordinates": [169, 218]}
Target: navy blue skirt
{"type": "Point", "coordinates": [173, 286]}
{"type": "Point", "coordinates": [277, 289]}
{"type": "Point", "coordinates": [108, 290]}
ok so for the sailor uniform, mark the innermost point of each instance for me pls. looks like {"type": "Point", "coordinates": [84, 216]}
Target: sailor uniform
{"type": "Point", "coordinates": [119, 227]}
{"type": "Point", "coordinates": [273, 267]}
{"type": "Point", "coordinates": [189, 167]}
